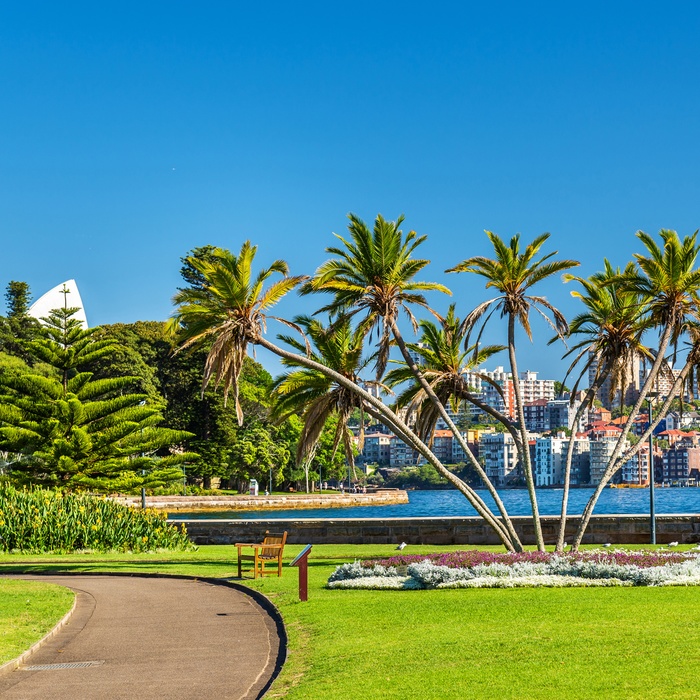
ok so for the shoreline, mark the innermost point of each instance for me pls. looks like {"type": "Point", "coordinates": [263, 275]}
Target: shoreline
{"type": "Point", "coordinates": [299, 501]}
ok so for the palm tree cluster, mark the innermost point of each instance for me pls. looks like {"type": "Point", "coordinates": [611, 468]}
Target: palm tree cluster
{"type": "Point", "coordinates": [371, 277]}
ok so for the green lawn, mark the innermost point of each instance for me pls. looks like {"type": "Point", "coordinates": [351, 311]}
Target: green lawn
{"type": "Point", "coordinates": [28, 610]}
{"type": "Point", "coordinates": [524, 643]}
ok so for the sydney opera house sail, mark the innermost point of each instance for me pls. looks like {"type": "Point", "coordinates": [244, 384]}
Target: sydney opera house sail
{"type": "Point", "coordinates": [56, 299]}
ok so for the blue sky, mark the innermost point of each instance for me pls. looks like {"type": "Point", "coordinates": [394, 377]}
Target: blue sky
{"type": "Point", "coordinates": [133, 132]}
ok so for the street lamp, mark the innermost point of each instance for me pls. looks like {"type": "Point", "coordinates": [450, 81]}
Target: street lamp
{"type": "Point", "coordinates": [652, 515]}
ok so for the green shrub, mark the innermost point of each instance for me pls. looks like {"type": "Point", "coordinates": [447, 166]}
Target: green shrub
{"type": "Point", "coordinates": [39, 520]}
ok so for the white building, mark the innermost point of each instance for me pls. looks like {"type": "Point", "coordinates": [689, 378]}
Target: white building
{"type": "Point", "coordinates": [550, 456]}
{"type": "Point", "coordinates": [499, 457]}
{"type": "Point", "coordinates": [550, 461]}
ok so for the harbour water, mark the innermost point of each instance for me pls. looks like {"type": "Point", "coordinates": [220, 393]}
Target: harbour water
{"type": "Point", "coordinates": [440, 504]}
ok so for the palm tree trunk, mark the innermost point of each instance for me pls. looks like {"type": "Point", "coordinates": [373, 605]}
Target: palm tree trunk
{"type": "Point", "coordinates": [307, 464]}
{"type": "Point", "coordinates": [525, 451]}
{"type": "Point", "coordinates": [403, 431]}
{"type": "Point", "coordinates": [474, 499]}
{"type": "Point", "coordinates": [617, 459]}
{"type": "Point", "coordinates": [587, 401]}
{"type": "Point", "coordinates": [456, 433]}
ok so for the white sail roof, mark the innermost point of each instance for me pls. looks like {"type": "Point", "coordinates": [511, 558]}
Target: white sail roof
{"type": "Point", "coordinates": [56, 299]}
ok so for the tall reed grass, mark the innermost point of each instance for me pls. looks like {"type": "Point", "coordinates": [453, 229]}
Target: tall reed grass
{"type": "Point", "coordinates": [39, 520]}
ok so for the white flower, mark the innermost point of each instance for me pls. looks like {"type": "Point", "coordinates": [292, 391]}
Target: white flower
{"type": "Point", "coordinates": [378, 583]}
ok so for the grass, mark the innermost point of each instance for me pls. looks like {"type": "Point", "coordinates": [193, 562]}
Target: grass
{"type": "Point", "coordinates": [523, 643]}
{"type": "Point", "coordinates": [28, 610]}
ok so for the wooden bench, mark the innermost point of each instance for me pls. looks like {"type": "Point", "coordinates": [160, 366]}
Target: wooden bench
{"type": "Point", "coordinates": [269, 551]}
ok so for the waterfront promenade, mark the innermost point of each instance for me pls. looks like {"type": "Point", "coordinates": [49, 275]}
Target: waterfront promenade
{"type": "Point", "coordinates": [384, 497]}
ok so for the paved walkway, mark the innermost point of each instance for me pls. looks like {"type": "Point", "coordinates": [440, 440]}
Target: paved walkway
{"type": "Point", "coordinates": [138, 637]}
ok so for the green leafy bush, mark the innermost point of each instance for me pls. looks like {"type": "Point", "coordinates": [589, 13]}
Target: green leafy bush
{"type": "Point", "coordinates": [40, 520]}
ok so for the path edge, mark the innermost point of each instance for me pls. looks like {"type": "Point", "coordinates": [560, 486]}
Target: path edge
{"type": "Point", "coordinates": [14, 664]}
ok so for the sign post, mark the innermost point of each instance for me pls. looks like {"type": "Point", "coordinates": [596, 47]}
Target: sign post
{"type": "Point", "coordinates": [301, 561]}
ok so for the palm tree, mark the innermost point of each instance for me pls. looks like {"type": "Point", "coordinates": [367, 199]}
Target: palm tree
{"type": "Point", "coordinates": [512, 273]}
{"type": "Point", "coordinates": [669, 285]}
{"type": "Point", "coordinates": [373, 274]}
{"type": "Point", "coordinates": [229, 310]}
{"type": "Point", "coordinates": [443, 364]}
{"type": "Point", "coordinates": [315, 396]}
{"type": "Point", "coordinates": [611, 330]}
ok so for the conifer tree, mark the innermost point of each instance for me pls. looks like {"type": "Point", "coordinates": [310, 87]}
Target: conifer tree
{"type": "Point", "coordinates": [17, 328]}
{"type": "Point", "coordinates": [75, 431]}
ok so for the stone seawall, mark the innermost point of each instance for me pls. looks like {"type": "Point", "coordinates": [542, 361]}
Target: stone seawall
{"type": "Point", "coordinates": [275, 502]}
{"type": "Point", "coordinates": [616, 529]}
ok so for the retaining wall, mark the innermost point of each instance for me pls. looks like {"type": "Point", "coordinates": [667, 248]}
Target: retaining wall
{"type": "Point", "coordinates": [616, 529]}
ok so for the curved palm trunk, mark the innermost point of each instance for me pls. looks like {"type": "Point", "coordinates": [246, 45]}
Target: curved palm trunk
{"type": "Point", "coordinates": [456, 433]}
{"type": "Point", "coordinates": [307, 465]}
{"type": "Point", "coordinates": [474, 499]}
{"type": "Point", "coordinates": [618, 458]}
{"type": "Point", "coordinates": [587, 401]}
{"type": "Point", "coordinates": [403, 431]}
{"type": "Point", "coordinates": [525, 451]}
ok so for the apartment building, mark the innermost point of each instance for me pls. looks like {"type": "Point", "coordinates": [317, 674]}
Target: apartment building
{"type": "Point", "coordinates": [499, 457]}
{"type": "Point", "coordinates": [531, 388]}
{"type": "Point", "coordinates": [400, 454]}
{"type": "Point", "coordinates": [549, 414]}
{"type": "Point", "coordinates": [561, 414]}
{"type": "Point", "coordinates": [550, 461]}
{"type": "Point", "coordinates": [636, 470]}
{"type": "Point", "coordinates": [536, 416]}
{"type": "Point", "coordinates": [442, 445]}
{"type": "Point", "coordinates": [377, 448]}
{"type": "Point", "coordinates": [601, 450]}
{"type": "Point", "coordinates": [634, 381]}
{"type": "Point", "coordinates": [681, 464]}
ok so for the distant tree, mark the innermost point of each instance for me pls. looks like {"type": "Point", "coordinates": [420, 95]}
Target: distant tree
{"type": "Point", "coordinates": [132, 355]}
{"type": "Point", "coordinates": [560, 388]}
{"type": "Point", "coordinates": [18, 328]}
{"type": "Point", "coordinates": [17, 299]}
{"type": "Point", "coordinates": [189, 272]}
{"type": "Point", "coordinates": [257, 455]}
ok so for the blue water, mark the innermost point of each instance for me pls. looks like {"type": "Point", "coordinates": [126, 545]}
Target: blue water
{"type": "Point", "coordinates": [439, 504]}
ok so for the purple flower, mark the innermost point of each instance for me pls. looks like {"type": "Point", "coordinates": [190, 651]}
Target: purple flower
{"type": "Point", "coordinates": [468, 559]}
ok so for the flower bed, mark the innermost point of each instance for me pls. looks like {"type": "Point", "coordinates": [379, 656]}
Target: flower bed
{"type": "Point", "coordinates": [476, 569]}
